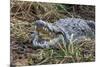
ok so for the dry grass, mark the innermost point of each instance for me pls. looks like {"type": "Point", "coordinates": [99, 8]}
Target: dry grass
{"type": "Point", "coordinates": [24, 14]}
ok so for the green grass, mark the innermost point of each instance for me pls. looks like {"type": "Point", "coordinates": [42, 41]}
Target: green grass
{"type": "Point", "coordinates": [23, 16]}
{"type": "Point", "coordinates": [74, 53]}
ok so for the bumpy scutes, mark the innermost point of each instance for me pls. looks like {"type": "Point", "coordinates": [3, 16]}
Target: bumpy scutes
{"type": "Point", "coordinates": [63, 31]}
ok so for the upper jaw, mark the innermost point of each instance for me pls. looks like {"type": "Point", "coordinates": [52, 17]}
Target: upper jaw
{"type": "Point", "coordinates": [50, 29]}
{"type": "Point", "coordinates": [48, 26]}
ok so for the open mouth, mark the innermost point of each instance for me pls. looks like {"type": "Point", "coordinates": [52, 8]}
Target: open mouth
{"type": "Point", "coordinates": [45, 34]}
{"type": "Point", "coordinates": [44, 37]}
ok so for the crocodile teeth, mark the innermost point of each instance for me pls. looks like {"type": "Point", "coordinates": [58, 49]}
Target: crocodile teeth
{"type": "Point", "coordinates": [43, 28]}
{"type": "Point", "coordinates": [50, 33]}
{"type": "Point", "coordinates": [35, 27]}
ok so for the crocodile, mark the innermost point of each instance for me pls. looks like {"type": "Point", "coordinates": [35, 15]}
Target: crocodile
{"type": "Point", "coordinates": [63, 31]}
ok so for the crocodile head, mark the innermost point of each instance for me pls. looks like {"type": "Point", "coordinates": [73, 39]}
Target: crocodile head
{"type": "Point", "coordinates": [46, 34]}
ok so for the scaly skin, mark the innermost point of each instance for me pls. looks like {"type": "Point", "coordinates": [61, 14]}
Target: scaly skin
{"type": "Point", "coordinates": [64, 30]}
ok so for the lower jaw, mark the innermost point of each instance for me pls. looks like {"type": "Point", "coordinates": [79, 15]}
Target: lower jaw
{"type": "Point", "coordinates": [48, 44]}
